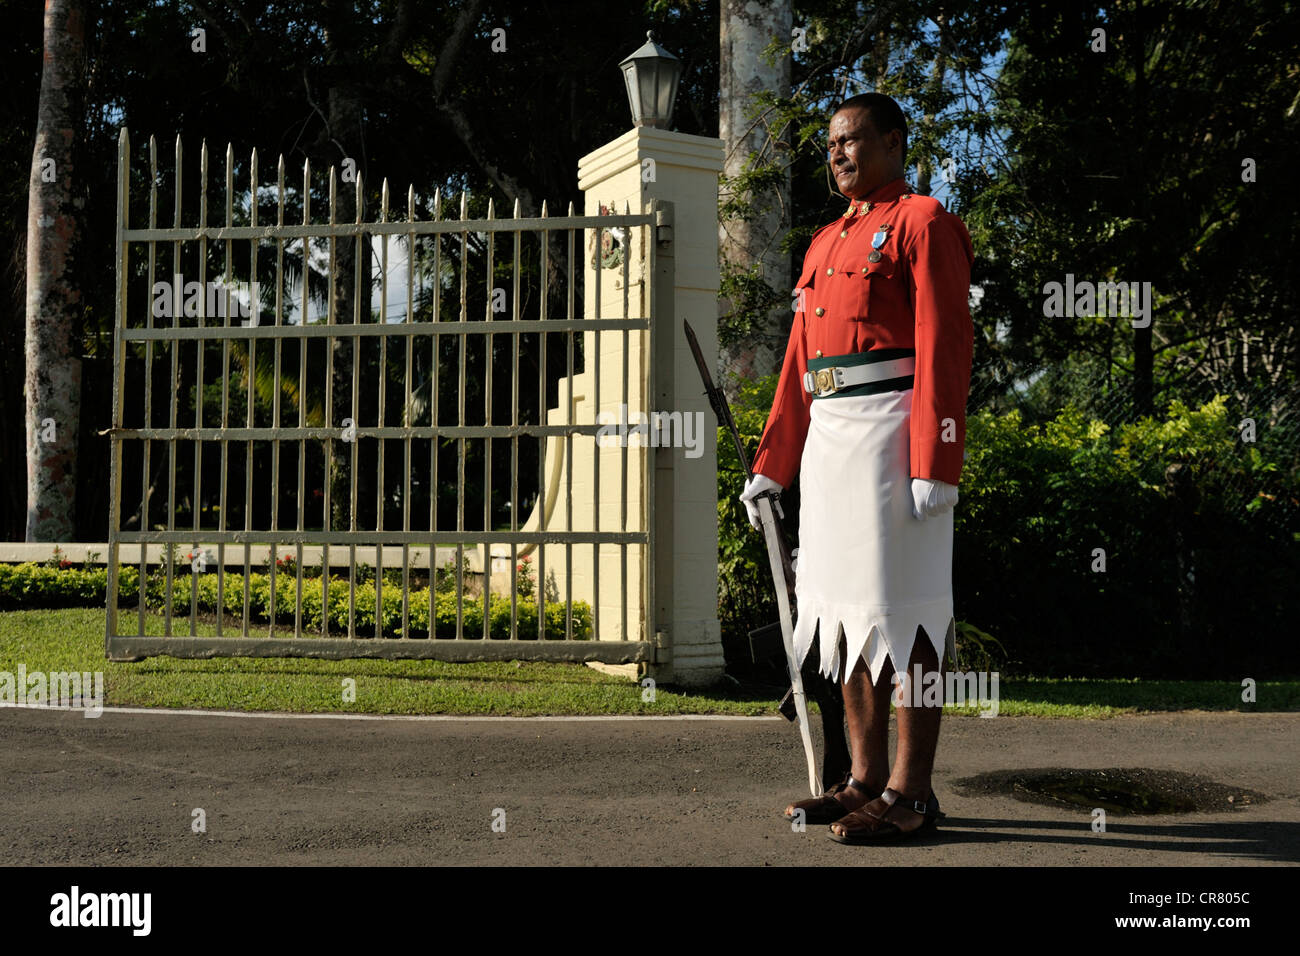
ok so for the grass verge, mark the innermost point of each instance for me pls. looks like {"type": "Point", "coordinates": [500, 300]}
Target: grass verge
{"type": "Point", "coordinates": [72, 640]}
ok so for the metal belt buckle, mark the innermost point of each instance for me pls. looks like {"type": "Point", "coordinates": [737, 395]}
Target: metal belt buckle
{"type": "Point", "coordinates": [825, 381]}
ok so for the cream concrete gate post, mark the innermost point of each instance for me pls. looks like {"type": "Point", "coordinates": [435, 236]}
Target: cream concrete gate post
{"type": "Point", "coordinates": [644, 164]}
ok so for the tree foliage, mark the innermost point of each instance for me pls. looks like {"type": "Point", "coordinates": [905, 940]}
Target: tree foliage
{"type": "Point", "coordinates": [1128, 164]}
{"type": "Point", "coordinates": [413, 92]}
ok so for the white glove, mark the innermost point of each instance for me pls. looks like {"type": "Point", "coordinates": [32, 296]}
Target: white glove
{"type": "Point", "coordinates": [753, 488]}
{"type": "Point", "coordinates": [932, 498]}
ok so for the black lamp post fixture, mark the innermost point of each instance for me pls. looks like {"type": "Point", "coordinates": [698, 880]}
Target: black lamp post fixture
{"type": "Point", "coordinates": [651, 74]}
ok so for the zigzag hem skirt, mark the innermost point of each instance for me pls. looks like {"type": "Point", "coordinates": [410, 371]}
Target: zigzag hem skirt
{"type": "Point", "coordinates": [865, 565]}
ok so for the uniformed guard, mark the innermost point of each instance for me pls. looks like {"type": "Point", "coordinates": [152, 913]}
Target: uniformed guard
{"type": "Point", "coordinates": [870, 413]}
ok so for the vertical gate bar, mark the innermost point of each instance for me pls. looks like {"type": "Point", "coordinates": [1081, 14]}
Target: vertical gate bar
{"type": "Point", "coordinates": [645, 371]}
{"type": "Point", "coordinates": [250, 417]}
{"type": "Point", "coordinates": [225, 389]}
{"type": "Point", "coordinates": [543, 441]}
{"type": "Point", "coordinates": [383, 389]}
{"type": "Point", "coordinates": [649, 390]}
{"type": "Point", "coordinates": [148, 383]}
{"type": "Point", "coordinates": [276, 410]}
{"type": "Point", "coordinates": [568, 440]}
{"type": "Point", "coordinates": [358, 262]}
{"type": "Point", "coordinates": [662, 336]}
{"type": "Point", "coordinates": [175, 348]}
{"type": "Point", "coordinates": [622, 470]}
{"type": "Point", "coordinates": [197, 484]}
{"type": "Point", "coordinates": [460, 421]}
{"type": "Point", "coordinates": [121, 252]}
{"type": "Point", "coordinates": [302, 398]}
{"type": "Point", "coordinates": [489, 357]}
{"type": "Point", "coordinates": [436, 356]}
{"type": "Point", "coordinates": [514, 439]}
{"type": "Point", "coordinates": [406, 415]}
{"type": "Point", "coordinates": [595, 458]}
{"type": "Point", "coordinates": [331, 345]}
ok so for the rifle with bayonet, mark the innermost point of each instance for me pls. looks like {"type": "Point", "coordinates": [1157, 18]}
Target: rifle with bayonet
{"type": "Point", "coordinates": [778, 557]}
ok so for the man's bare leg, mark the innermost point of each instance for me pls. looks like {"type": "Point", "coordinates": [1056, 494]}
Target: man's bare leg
{"type": "Point", "coordinates": [918, 734]}
{"type": "Point", "coordinates": [866, 711]}
{"type": "Point", "coordinates": [918, 728]}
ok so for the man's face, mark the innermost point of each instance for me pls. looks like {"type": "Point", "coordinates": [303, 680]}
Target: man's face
{"type": "Point", "coordinates": [861, 159]}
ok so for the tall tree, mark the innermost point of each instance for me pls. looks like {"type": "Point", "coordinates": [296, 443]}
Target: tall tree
{"type": "Point", "coordinates": [342, 136]}
{"type": "Point", "coordinates": [54, 301]}
{"type": "Point", "coordinates": [21, 43]}
{"type": "Point", "coordinates": [754, 59]}
{"type": "Point", "coordinates": [1145, 146]}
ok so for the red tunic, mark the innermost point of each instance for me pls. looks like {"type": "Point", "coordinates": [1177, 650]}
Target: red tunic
{"type": "Point", "coordinates": [916, 296]}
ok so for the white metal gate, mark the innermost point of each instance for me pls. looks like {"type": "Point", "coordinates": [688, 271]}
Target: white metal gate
{"type": "Point", "coordinates": [251, 421]}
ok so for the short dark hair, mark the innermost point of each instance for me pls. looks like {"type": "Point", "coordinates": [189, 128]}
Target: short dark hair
{"type": "Point", "coordinates": [885, 113]}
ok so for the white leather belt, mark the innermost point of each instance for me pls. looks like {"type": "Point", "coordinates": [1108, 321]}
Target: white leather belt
{"type": "Point", "coordinates": [827, 381]}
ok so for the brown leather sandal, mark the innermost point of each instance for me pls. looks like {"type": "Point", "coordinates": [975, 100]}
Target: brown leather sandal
{"type": "Point", "coordinates": [826, 809]}
{"type": "Point", "coordinates": [865, 826]}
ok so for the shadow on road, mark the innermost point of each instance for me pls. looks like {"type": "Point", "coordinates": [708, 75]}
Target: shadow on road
{"type": "Point", "coordinates": [1265, 840]}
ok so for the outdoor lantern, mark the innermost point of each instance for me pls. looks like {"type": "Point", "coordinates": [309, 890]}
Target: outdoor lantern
{"type": "Point", "coordinates": [651, 74]}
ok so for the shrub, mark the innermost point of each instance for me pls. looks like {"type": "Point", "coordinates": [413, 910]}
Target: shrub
{"type": "Point", "coordinates": [32, 585]}
{"type": "Point", "coordinates": [746, 598]}
{"type": "Point", "coordinates": [1199, 532]}
{"type": "Point", "coordinates": [36, 585]}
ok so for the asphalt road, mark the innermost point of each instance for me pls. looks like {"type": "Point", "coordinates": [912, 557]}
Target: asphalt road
{"type": "Point", "coordinates": [123, 788]}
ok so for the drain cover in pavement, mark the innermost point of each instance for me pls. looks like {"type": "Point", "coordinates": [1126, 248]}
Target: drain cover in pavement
{"type": "Point", "coordinates": [1135, 790]}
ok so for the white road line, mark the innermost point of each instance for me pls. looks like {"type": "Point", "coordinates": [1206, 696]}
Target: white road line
{"type": "Point", "coordinates": [424, 717]}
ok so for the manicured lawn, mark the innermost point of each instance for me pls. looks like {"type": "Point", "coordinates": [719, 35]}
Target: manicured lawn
{"type": "Point", "coordinates": [73, 640]}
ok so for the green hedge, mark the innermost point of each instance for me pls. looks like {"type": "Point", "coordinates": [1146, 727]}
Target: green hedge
{"type": "Point", "coordinates": [1199, 530]}
{"type": "Point", "coordinates": [32, 585]}
{"type": "Point", "coordinates": [745, 596]}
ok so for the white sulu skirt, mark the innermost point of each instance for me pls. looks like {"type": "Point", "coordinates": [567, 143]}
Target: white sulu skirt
{"type": "Point", "coordinates": [865, 564]}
